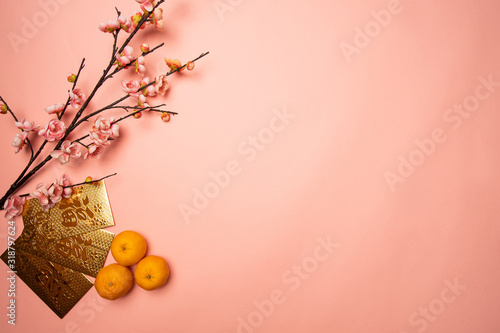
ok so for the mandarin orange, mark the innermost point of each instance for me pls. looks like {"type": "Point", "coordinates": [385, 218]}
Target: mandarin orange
{"type": "Point", "coordinates": [113, 281]}
{"type": "Point", "coordinates": [151, 272]}
{"type": "Point", "coordinates": [128, 247]}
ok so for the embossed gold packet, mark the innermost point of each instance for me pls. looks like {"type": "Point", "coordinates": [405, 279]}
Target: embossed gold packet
{"type": "Point", "coordinates": [57, 286]}
{"type": "Point", "coordinates": [56, 247]}
{"type": "Point", "coordinates": [85, 253]}
{"type": "Point", "coordinates": [86, 210]}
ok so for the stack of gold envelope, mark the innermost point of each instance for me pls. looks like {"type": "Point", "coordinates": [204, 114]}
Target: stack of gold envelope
{"type": "Point", "coordinates": [59, 247]}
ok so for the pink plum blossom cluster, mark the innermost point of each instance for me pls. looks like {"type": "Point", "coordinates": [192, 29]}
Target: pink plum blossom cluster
{"type": "Point", "coordinates": [47, 195]}
{"type": "Point", "coordinates": [59, 130]}
{"type": "Point", "coordinates": [128, 24]}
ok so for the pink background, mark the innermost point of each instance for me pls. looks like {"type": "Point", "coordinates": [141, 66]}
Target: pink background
{"type": "Point", "coordinates": [251, 259]}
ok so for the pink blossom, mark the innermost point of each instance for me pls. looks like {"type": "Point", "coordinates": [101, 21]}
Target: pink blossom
{"type": "Point", "coordinates": [55, 108]}
{"type": "Point", "coordinates": [136, 18]}
{"type": "Point", "coordinates": [26, 125]}
{"type": "Point", "coordinates": [157, 18]}
{"type": "Point", "coordinates": [146, 5]}
{"type": "Point", "coordinates": [14, 206]}
{"type": "Point", "coordinates": [109, 26]}
{"type": "Point", "coordinates": [68, 150]}
{"type": "Point", "coordinates": [144, 48]}
{"type": "Point", "coordinates": [141, 99]}
{"type": "Point", "coordinates": [42, 194]}
{"type": "Point", "coordinates": [190, 65]}
{"type": "Point", "coordinates": [93, 151]}
{"type": "Point", "coordinates": [124, 58]}
{"type": "Point", "coordinates": [55, 192]}
{"type": "Point", "coordinates": [165, 116]}
{"type": "Point", "coordinates": [139, 66]}
{"type": "Point", "coordinates": [19, 141]}
{"type": "Point", "coordinates": [173, 64]}
{"type": "Point", "coordinates": [107, 127]}
{"type": "Point", "coordinates": [54, 130]}
{"type": "Point", "coordinates": [161, 85]}
{"type": "Point", "coordinates": [130, 87]}
{"type": "Point", "coordinates": [99, 138]}
{"type": "Point", "coordinates": [48, 196]}
{"type": "Point", "coordinates": [103, 130]}
{"type": "Point", "coordinates": [65, 183]}
{"type": "Point", "coordinates": [149, 90]}
{"type": "Point", "coordinates": [125, 23]}
{"type": "Point", "coordinates": [77, 97]}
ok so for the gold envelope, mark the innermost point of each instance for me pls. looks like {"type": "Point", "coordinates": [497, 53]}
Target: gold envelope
{"type": "Point", "coordinates": [85, 253]}
{"type": "Point", "coordinates": [86, 210]}
{"type": "Point", "coordinates": [56, 247]}
{"type": "Point", "coordinates": [58, 286]}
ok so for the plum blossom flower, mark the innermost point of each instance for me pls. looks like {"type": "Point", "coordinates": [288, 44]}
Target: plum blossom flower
{"type": "Point", "coordinates": [48, 196]}
{"type": "Point", "coordinates": [125, 23]}
{"type": "Point", "coordinates": [173, 64]}
{"type": "Point", "coordinates": [14, 206]}
{"type": "Point", "coordinates": [107, 127]}
{"type": "Point", "coordinates": [77, 97]}
{"type": "Point", "coordinates": [109, 26]}
{"type": "Point", "coordinates": [55, 108]}
{"type": "Point", "coordinates": [93, 151]}
{"type": "Point", "coordinates": [165, 116]}
{"type": "Point", "coordinates": [157, 19]}
{"type": "Point", "coordinates": [136, 18]}
{"type": "Point", "coordinates": [139, 66]}
{"type": "Point", "coordinates": [124, 58]}
{"type": "Point", "coordinates": [67, 150]}
{"type": "Point", "coordinates": [141, 99]}
{"type": "Point", "coordinates": [190, 65]}
{"type": "Point", "coordinates": [146, 5]}
{"type": "Point", "coordinates": [99, 138]}
{"type": "Point", "coordinates": [66, 183]}
{"type": "Point", "coordinates": [149, 90]}
{"type": "Point", "coordinates": [144, 48]}
{"type": "Point", "coordinates": [42, 194]}
{"type": "Point", "coordinates": [103, 130]}
{"type": "Point", "coordinates": [55, 192]}
{"type": "Point", "coordinates": [161, 84]}
{"type": "Point", "coordinates": [19, 141]}
{"type": "Point", "coordinates": [54, 130]}
{"type": "Point", "coordinates": [131, 87]}
{"type": "Point", "coordinates": [26, 126]}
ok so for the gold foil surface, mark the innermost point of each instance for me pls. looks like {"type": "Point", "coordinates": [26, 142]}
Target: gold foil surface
{"type": "Point", "coordinates": [58, 286]}
{"type": "Point", "coordinates": [84, 253]}
{"type": "Point", "coordinates": [56, 248]}
{"type": "Point", "coordinates": [86, 210]}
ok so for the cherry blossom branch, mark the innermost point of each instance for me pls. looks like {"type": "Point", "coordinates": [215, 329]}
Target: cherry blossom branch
{"type": "Point", "coordinates": [78, 184]}
{"type": "Point", "coordinates": [132, 62]}
{"type": "Point", "coordinates": [82, 65]}
{"type": "Point", "coordinates": [123, 51]}
{"type": "Point", "coordinates": [182, 67]}
{"type": "Point", "coordinates": [137, 109]}
{"type": "Point", "coordinates": [104, 77]}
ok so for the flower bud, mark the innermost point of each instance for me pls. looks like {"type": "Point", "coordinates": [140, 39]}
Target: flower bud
{"type": "Point", "coordinates": [3, 108]}
{"type": "Point", "coordinates": [190, 65]}
{"type": "Point", "coordinates": [145, 48]}
{"type": "Point", "coordinates": [165, 116]}
{"type": "Point", "coordinates": [138, 115]}
{"type": "Point", "coordinates": [88, 179]}
{"type": "Point", "coordinates": [72, 78]}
